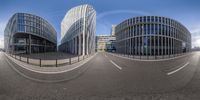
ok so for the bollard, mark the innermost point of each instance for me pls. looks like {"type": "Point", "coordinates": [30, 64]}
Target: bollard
{"type": "Point", "coordinates": [40, 63]}
{"type": "Point", "coordinates": [56, 63]}
{"type": "Point", "coordinates": [27, 60]}
{"type": "Point", "coordinates": [83, 57]}
{"type": "Point", "coordinates": [70, 61]}
{"type": "Point", "coordinates": [78, 58]}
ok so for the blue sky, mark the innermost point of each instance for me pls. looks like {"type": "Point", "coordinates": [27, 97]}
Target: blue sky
{"type": "Point", "coordinates": [108, 12]}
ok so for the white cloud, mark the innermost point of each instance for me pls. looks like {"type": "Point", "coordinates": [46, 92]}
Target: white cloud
{"type": "Point", "coordinates": [1, 41]}
{"type": "Point", "coordinates": [196, 40]}
{"type": "Point", "coordinates": [101, 15]}
{"type": "Point", "coordinates": [2, 27]}
{"type": "Point", "coordinates": [196, 43]}
{"type": "Point", "coordinates": [195, 31]}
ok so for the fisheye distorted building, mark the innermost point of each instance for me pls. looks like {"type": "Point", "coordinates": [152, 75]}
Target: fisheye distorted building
{"type": "Point", "coordinates": [27, 33]}
{"type": "Point", "coordinates": [78, 30]}
{"type": "Point", "coordinates": [152, 36]}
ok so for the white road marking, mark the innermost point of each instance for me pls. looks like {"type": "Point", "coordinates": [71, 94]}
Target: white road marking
{"type": "Point", "coordinates": [177, 69]}
{"type": "Point", "coordinates": [115, 65]}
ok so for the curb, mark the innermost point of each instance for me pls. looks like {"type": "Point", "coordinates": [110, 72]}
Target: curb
{"type": "Point", "coordinates": [150, 60]}
{"type": "Point", "coordinates": [49, 77]}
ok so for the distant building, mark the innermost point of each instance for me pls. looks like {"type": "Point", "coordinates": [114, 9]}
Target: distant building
{"type": "Point", "coordinates": [152, 36]}
{"type": "Point", "coordinates": [196, 49]}
{"type": "Point", "coordinates": [27, 33]}
{"type": "Point", "coordinates": [113, 30]}
{"type": "Point", "coordinates": [78, 29]}
{"type": "Point", "coordinates": [105, 43]}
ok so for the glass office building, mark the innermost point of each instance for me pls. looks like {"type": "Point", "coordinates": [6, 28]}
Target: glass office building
{"type": "Point", "coordinates": [78, 30]}
{"type": "Point", "coordinates": [27, 33]}
{"type": "Point", "coordinates": [152, 36]}
{"type": "Point", "coordinates": [105, 43]}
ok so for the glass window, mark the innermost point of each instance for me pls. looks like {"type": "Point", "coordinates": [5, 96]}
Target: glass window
{"type": "Point", "coordinates": [148, 18]}
{"type": "Point", "coordinates": [137, 19]}
{"type": "Point", "coordinates": [159, 19]}
{"type": "Point", "coordinates": [144, 18]}
{"type": "Point", "coordinates": [145, 41]}
{"type": "Point", "coordinates": [21, 28]}
{"type": "Point", "coordinates": [163, 20]}
{"type": "Point", "coordinates": [134, 30]}
{"type": "Point", "coordinates": [148, 28]}
{"type": "Point", "coordinates": [133, 20]}
{"type": "Point", "coordinates": [138, 30]}
{"type": "Point", "coordinates": [156, 28]}
{"type": "Point", "coordinates": [152, 18]}
{"type": "Point", "coordinates": [156, 19]}
{"type": "Point", "coordinates": [163, 29]}
{"type": "Point", "coordinates": [140, 19]}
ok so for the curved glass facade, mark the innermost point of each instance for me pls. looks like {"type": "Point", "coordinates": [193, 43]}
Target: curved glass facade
{"type": "Point", "coordinates": [152, 36]}
{"type": "Point", "coordinates": [27, 33]}
{"type": "Point", "coordinates": [78, 30]}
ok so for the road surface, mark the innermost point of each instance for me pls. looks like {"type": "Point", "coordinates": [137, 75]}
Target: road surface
{"type": "Point", "coordinates": [111, 78]}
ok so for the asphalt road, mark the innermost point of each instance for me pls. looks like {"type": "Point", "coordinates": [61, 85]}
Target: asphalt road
{"type": "Point", "coordinates": [111, 78]}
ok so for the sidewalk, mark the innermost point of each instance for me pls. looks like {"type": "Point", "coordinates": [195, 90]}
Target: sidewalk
{"type": "Point", "coordinates": [142, 58]}
{"type": "Point", "coordinates": [49, 74]}
{"type": "Point", "coordinates": [48, 55]}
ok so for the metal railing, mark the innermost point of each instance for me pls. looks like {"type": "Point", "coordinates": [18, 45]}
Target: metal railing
{"type": "Point", "coordinates": [49, 63]}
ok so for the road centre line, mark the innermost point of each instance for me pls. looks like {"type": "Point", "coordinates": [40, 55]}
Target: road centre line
{"type": "Point", "coordinates": [172, 72]}
{"type": "Point", "coordinates": [113, 63]}
{"type": "Point", "coordinates": [116, 65]}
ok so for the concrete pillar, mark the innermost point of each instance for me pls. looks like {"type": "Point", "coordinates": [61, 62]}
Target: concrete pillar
{"type": "Point", "coordinates": [77, 41]}
{"type": "Point", "coordinates": [87, 43]}
{"type": "Point", "coordinates": [75, 45]}
{"type": "Point", "coordinates": [83, 46]}
{"type": "Point", "coordinates": [29, 43]}
{"type": "Point", "coordinates": [84, 33]}
{"type": "Point", "coordinates": [79, 45]}
{"type": "Point", "coordinates": [72, 45]}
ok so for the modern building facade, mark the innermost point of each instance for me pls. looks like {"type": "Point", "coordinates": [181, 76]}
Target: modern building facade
{"type": "Point", "coordinates": [113, 30]}
{"type": "Point", "coordinates": [27, 33]}
{"type": "Point", "coordinates": [78, 30]}
{"type": "Point", "coordinates": [152, 36]}
{"type": "Point", "coordinates": [105, 43]}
